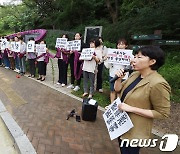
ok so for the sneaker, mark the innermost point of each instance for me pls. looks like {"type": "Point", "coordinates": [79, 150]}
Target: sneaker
{"type": "Point", "coordinates": [71, 86]}
{"type": "Point", "coordinates": [15, 70]}
{"type": "Point", "coordinates": [18, 71]}
{"type": "Point", "coordinates": [76, 88]}
{"type": "Point", "coordinates": [62, 84]}
{"type": "Point", "coordinates": [58, 83]}
{"type": "Point", "coordinates": [101, 90]}
{"type": "Point", "coordinates": [6, 67]}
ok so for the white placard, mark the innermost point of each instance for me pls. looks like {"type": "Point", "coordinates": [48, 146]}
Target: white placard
{"type": "Point", "coordinates": [86, 54]}
{"type": "Point", "coordinates": [30, 46]}
{"type": "Point", "coordinates": [119, 56]}
{"type": "Point", "coordinates": [117, 122]}
{"type": "Point", "coordinates": [13, 46]}
{"type": "Point", "coordinates": [4, 44]}
{"type": "Point", "coordinates": [74, 45]}
{"type": "Point", "coordinates": [41, 48]}
{"type": "Point", "coordinates": [61, 43]}
{"type": "Point", "coordinates": [17, 46]}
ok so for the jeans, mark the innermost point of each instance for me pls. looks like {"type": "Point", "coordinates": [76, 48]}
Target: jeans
{"type": "Point", "coordinates": [91, 77]}
{"type": "Point", "coordinates": [22, 65]}
{"type": "Point", "coordinates": [17, 63]}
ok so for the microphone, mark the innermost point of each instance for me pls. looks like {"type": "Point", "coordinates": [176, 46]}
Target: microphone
{"type": "Point", "coordinates": [126, 69]}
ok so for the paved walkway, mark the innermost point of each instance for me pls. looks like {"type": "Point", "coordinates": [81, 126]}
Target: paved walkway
{"type": "Point", "coordinates": [41, 111]}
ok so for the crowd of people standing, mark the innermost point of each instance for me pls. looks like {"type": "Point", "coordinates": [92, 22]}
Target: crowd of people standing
{"type": "Point", "coordinates": [145, 94]}
{"type": "Point", "coordinates": [18, 61]}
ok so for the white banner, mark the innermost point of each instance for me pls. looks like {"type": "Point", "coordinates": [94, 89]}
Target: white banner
{"type": "Point", "coordinates": [41, 48]}
{"type": "Point", "coordinates": [17, 46]}
{"type": "Point", "coordinates": [74, 45]}
{"type": "Point", "coordinates": [30, 46]}
{"type": "Point", "coordinates": [61, 43]}
{"type": "Point", "coordinates": [119, 56]}
{"type": "Point", "coordinates": [117, 122]}
{"type": "Point", "coordinates": [87, 54]}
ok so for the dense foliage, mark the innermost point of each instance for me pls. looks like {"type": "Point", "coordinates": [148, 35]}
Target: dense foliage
{"type": "Point", "coordinates": [119, 18]}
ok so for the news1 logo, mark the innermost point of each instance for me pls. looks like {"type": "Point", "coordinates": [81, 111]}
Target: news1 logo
{"type": "Point", "coordinates": [170, 143]}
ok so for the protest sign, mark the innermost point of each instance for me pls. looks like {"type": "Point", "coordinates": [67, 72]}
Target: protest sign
{"type": "Point", "coordinates": [61, 43]}
{"type": "Point", "coordinates": [17, 46]}
{"type": "Point", "coordinates": [13, 46]}
{"type": "Point", "coordinates": [30, 46]}
{"type": "Point", "coordinates": [37, 47]}
{"type": "Point", "coordinates": [117, 122]}
{"type": "Point", "coordinates": [4, 44]}
{"type": "Point", "coordinates": [74, 45]}
{"type": "Point", "coordinates": [86, 54]}
{"type": "Point", "coordinates": [41, 48]}
{"type": "Point", "coordinates": [119, 56]}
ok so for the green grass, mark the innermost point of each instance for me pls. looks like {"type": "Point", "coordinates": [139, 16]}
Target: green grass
{"type": "Point", "coordinates": [171, 72]}
{"type": "Point", "coordinates": [102, 98]}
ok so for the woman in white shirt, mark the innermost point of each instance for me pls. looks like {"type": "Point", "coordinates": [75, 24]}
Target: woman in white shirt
{"type": "Point", "coordinates": [89, 68]}
{"type": "Point", "coordinates": [41, 64]}
{"type": "Point", "coordinates": [21, 55]}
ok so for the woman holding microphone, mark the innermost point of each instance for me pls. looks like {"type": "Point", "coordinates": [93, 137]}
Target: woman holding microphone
{"type": "Point", "coordinates": [145, 95]}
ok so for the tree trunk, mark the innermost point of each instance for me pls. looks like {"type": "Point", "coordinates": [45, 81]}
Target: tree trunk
{"type": "Point", "coordinates": [113, 10]}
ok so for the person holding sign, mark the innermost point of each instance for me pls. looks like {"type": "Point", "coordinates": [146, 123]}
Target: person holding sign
{"type": "Point", "coordinates": [76, 64]}
{"type": "Point", "coordinates": [11, 54]}
{"type": "Point", "coordinates": [4, 51]}
{"type": "Point", "coordinates": [16, 52]}
{"type": "Point", "coordinates": [21, 56]}
{"type": "Point", "coordinates": [145, 95]}
{"type": "Point", "coordinates": [89, 67]}
{"type": "Point", "coordinates": [113, 68]}
{"type": "Point", "coordinates": [31, 56]}
{"type": "Point", "coordinates": [62, 55]}
{"type": "Point", "coordinates": [41, 63]}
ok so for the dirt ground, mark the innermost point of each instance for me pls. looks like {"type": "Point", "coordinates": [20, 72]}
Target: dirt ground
{"type": "Point", "coordinates": [172, 124]}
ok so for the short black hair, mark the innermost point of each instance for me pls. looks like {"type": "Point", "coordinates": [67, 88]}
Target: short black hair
{"type": "Point", "coordinates": [79, 34]}
{"type": "Point", "coordinates": [20, 38]}
{"type": "Point", "coordinates": [153, 52]}
{"type": "Point", "coordinates": [92, 41]}
{"type": "Point", "coordinates": [66, 36]}
{"type": "Point", "coordinates": [43, 41]}
{"type": "Point", "coordinates": [31, 39]}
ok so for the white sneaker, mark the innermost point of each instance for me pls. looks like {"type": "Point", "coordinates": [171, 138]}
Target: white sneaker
{"type": "Point", "coordinates": [62, 84]}
{"type": "Point", "coordinates": [6, 67]}
{"type": "Point", "coordinates": [71, 86]}
{"type": "Point", "coordinates": [76, 88]}
{"type": "Point", "coordinates": [101, 90]}
{"type": "Point", "coordinates": [58, 83]}
{"type": "Point", "coordinates": [15, 70]}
